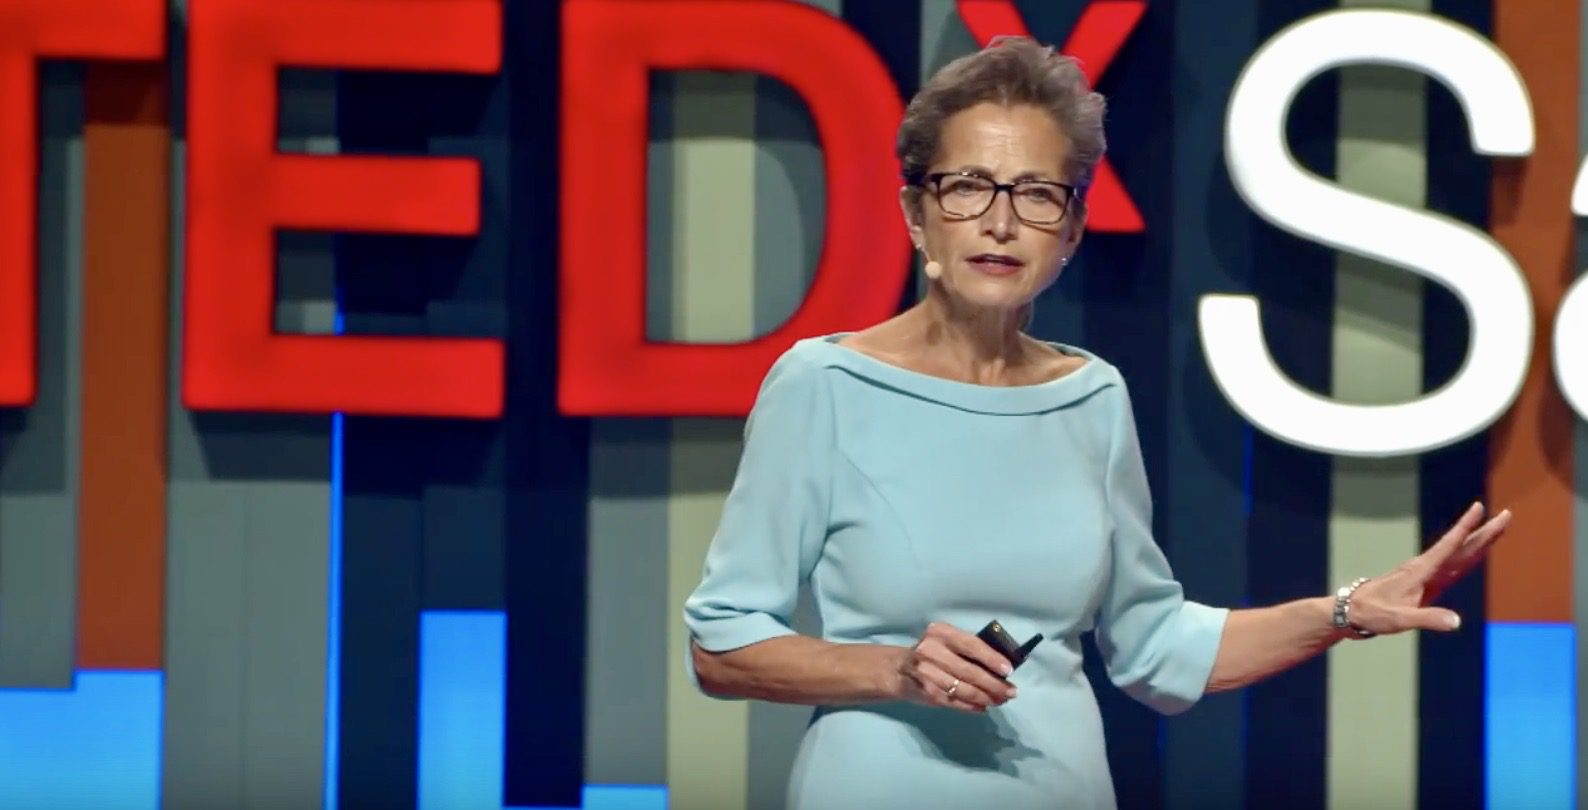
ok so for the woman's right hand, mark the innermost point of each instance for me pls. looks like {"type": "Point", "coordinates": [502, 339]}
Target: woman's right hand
{"type": "Point", "coordinates": [952, 669]}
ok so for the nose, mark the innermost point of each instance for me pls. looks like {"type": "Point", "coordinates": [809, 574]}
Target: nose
{"type": "Point", "coordinates": [1000, 221]}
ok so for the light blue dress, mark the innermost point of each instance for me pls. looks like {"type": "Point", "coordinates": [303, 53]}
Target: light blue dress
{"type": "Point", "coordinates": [903, 499]}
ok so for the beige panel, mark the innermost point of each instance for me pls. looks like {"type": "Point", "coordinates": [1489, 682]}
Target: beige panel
{"type": "Point", "coordinates": [1373, 525]}
{"type": "Point", "coordinates": [713, 301]}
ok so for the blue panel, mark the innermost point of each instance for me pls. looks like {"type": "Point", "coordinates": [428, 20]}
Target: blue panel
{"type": "Point", "coordinates": [625, 797]}
{"type": "Point", "coordinates": [1531, 747]}
{"type": "Point", "coordinates": [96, 745]}
{"type": "Point", "coordinates": [462, 705]}
{"type": "Point", "coordinates": [619, 797]}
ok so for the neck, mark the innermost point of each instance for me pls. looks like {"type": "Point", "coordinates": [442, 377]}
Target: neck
{"type": "Point", "coordinates": [983, 345]}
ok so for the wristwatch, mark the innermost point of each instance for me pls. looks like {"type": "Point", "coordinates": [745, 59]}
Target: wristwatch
{"type": "Point", "coordinates": [1342, 609]}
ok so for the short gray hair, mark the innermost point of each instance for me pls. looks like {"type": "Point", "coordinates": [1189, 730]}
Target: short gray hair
{"type": "Point", "coordinates": [1010, 70]}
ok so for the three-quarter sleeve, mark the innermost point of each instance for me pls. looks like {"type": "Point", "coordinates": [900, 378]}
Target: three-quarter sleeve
{"type": "Point", "coordinates": [775, 519]}
{"type": "Point", "coordinates": [1157, 646]}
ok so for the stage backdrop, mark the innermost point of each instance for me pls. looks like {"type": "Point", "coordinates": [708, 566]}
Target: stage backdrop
{"type": "Point", "coordinates": [218, 606]}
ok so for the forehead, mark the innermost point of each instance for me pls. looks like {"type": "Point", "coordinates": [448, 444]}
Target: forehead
{"type": "Point", "coordinates": [1007, 140]}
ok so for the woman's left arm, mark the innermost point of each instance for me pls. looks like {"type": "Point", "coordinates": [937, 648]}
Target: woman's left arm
{"type": "Point", "coordinates": [1260, 642]}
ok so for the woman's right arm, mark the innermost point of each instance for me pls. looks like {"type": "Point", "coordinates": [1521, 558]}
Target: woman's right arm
{"type": "Point", "coordinates": [801, 669]}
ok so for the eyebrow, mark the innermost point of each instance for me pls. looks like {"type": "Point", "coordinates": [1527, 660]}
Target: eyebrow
{"type": "Point", "coordinates": [1025, 175]}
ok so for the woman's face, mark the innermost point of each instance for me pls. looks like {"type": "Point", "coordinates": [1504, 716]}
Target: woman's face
{"type": "Point", "coordinates": [994, 259]}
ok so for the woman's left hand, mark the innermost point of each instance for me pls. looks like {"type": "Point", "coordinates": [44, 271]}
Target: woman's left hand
{"type": "Point", "coordinates": [1398, 601]}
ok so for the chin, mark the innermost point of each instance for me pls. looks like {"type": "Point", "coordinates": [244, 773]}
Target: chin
{"type": "Point", "coordinates": [988, 303]}
{"type": "Point", "coordinates": [985, 292]}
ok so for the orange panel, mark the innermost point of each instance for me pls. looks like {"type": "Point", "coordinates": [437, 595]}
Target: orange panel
{"type": "Point", "coordinates": [1530, 472]}
{"type": "Point", "coordinates": [122, 520]}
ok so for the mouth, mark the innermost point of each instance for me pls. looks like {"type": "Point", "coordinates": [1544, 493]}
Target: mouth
{"type": "Point", "coordinates": [996, 264]}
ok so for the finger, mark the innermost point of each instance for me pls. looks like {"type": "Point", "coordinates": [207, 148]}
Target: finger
{"type": "Point", "coordinates": [1435, 619]}
{"type": "Point", "coordinates": [1439, 552]}
{"type": "Point", "coordinates": [951, 692]}
{"type": "Point", "coordinates": [968, 646]}
{"type": "Point", "coordinates": [1475, 546]}
{"type": "Point", "coordinates": [985, 687]}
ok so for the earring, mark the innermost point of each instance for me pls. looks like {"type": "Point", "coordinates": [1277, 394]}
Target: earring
{"type": "Point", "coordinates": [933, 270]}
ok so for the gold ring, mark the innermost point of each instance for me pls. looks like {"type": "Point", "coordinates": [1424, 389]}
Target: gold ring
{"type": "Point", "coordinates": [952, 688]}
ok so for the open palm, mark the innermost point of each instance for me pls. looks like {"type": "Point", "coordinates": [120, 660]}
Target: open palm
{"type": "Point", "coordinates": [1399, 600]}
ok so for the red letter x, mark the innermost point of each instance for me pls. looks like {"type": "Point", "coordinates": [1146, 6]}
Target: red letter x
{"type": "Point", "coordinates": [1103, 28]}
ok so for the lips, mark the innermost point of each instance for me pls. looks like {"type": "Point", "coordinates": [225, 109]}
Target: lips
{"type": "Point", "coordinates": [996, 264]}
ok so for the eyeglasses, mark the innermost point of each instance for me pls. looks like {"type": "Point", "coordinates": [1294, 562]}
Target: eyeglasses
{"type": "Point", "coordinates": [963, 195]}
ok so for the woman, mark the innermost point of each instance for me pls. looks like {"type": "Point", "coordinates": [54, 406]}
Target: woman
{"type": "Point", "coordinates": [942, 469]}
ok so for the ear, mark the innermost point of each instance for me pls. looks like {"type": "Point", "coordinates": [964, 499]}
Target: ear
{"type": "Point", "coordinates": [1075, 227]}
{"type": "Point", "coordinates": [911, 221]}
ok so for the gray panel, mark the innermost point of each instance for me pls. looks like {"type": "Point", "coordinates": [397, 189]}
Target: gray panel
{"type": "Point", "coordinates": [245, 650]}
{"type": "Point", "coordinates": [659, 210]}
{"type": "Point", "coordinates": [39, 445]}
{"type": "Point", "coordinates": [284, 650]}
{"type": "Point", "coordinates": [943, 37]}
{"type": "Point", "coordinates": [626, 723]}
{"type": "Point", "coordinates": [790, 203]}
{"type": "Point", "coordinates": [202, 759]}
{"type": "Point", "coordinates": [247, 588]}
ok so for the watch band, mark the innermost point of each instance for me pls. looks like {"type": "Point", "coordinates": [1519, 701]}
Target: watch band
{"type": "Point", "coordinates": [1342, 609]}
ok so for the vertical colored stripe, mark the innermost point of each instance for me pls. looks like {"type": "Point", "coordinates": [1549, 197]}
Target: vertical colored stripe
{"type": "Point", "coordinates": [429, 506]}
{"type": "Point", "coordinates": [1289, 487]}
{"type": "Point", "coordinates": [121, 501]}
{"type": "Point", "coordinates": [462, 702]}
{"type": "Point", "coordinates": [1531, 465]}
{"type": "Point", "coordinates": [1530, 752]}
{"type": "Point", "coordinates": [96, 745]}
{"type": "Point", "coordinates": [38, 447]}
{"type": "Point", "coordinates": [627, 627]}
{"type": "Point", "coordinates": [893, 31]}
{"type": "Point", "coordinates": [713, 301]}
{"type": "Point", "coordinates": [333, 613]}
{"type": "Point", "coordinates": [1579, 541]}
{"type": "Point", "coordinates": [466, 492]}
{"type": "Point", "coordinates": [1201, 493]}
{"type": "Point", "coordinates": [247, 556]}
{"type": "Point", "coordinates": [381, 600]}
{"type": "Point", "coordinates": [1373, 523]}
{"type": "Point", "coordinates": [1450, 688]}
{"type": "Point", "coordinates": [547, 483]}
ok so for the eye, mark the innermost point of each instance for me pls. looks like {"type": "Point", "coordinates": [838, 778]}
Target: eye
{"type": "Point", "coordinates": [1040, 194]}
{"type": "Point", "coordinates": [964, 186]}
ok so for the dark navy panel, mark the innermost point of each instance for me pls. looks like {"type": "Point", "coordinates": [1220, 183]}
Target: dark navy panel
{"type": "Point", "coordinates": [1451, 677]}
{"type": "Point", "coordinates": [547, 455]}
